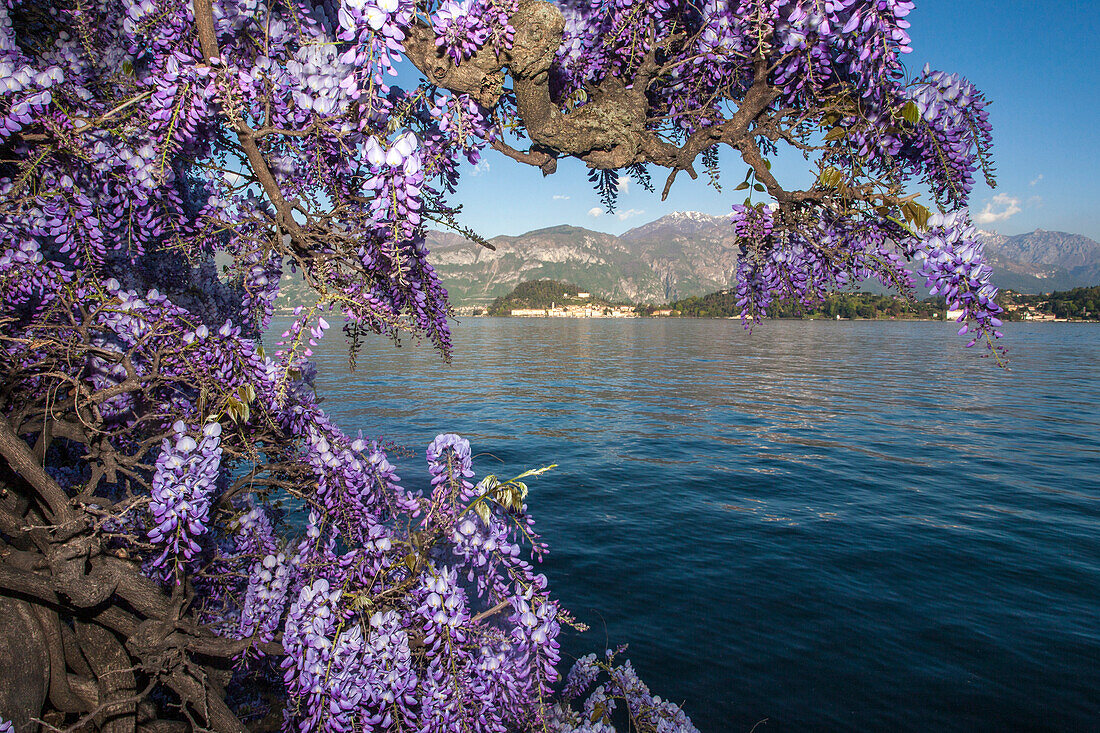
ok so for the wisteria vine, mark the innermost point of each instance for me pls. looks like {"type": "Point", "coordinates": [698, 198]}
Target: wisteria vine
{"type": "Point", "coordinates": [205, 546]}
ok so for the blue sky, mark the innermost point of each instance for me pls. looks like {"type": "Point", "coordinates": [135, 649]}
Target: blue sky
{"type": "Point", "coordinates": [1036, 60]}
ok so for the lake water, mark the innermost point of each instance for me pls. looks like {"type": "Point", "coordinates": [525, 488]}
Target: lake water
{"type": "Point", "coordinates": [835, 526]}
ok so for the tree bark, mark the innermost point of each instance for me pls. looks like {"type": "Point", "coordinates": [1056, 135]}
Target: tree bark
{"type": "Point", "coordinates": [24, 665]}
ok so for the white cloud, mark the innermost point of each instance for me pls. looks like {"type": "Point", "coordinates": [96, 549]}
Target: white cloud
{"type": "Point", "coordinates": [624, 215]}
{"type": "Point", "coordinates": [559, 197]}
{"type": "Point", "coordinates": [1001, 207]}
{"type": "Point", "coordinates": [480, 169]}
{"type": "Point", "coordinates": [1037, 179]}
{"type": "Point", "coordinates": [624, 184]}
{"type": "Point", "coordinates": [595, 211]}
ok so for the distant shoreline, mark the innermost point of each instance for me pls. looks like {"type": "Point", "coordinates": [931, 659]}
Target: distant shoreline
{"type": "Point", "coordinates": [736, 318]}
{"type": "Point", "coordinates": [286, 312]}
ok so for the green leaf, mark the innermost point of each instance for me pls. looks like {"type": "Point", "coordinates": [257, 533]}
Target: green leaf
{"type": "Point", "coordinates": [237, 410]}
{"type": "Point", "coordinates": [830, 177]}
{"type": "Point", "coordinates": [835, 134]}
{"type": "Point", "coordinates": [910, 113]}
{"type": "Point", "coordinates": [922, 216]}
{"type": "Point", "coordinates": [915, 214]}
{"type": "Point", "coordinates": [742, 186]}
{"type": "Point", "coordinates": [758, 187]}
{"type": "Point", "coordinates": [482, 510]}
{"type": "Point", "coordinates": [516, 495]}
{"type": "Point", "coordinates": [233, 409]}
{"type": "Point", "coordinates": [410, 562]}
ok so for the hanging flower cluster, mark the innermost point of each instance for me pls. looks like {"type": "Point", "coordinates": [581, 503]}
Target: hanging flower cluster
{"type": "Point", "coordinates": [954, 130]}
{"type": "Point", "coordinates": [183, 486]}
{"type": "Point", "coordinates": [459, 30]}
{"type": "Point", "coordinates": [398, 176]}
{"type": "Point", "coordinates": [954, 267]}
{"type": "Point", "coordinates": [265, 599]}
{"type": "Point", "coordinates": [644, 710]}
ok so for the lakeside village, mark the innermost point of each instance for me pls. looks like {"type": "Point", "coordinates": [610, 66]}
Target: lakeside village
{"type": "Point", "coordinates": [553, 299]}
{"type": "Point", "coordinates": [582, 310]}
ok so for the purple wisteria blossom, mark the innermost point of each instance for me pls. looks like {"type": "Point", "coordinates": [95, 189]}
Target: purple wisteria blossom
{"type": "Point", "coordinates": [183, 487]}
{"type": "Point", "coordinates": [955, 268]}
{"type": "Point", "coordinates": [622, 686]}
{"type": "Point", "coordinates": [459, 28]}
{"type": "Point", "coordinates": [265, 600]}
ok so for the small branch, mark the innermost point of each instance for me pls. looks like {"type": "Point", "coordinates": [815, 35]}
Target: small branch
{"type": "Point", "coordinates": [223, 648]}
{"type": "Point", "coordinates": [102, 709]}
{"type": "Point", "coordinates": [537, 158]}
{"type": "Point", "coordinates": [22, 461]}
{"type": "Point", "coordinates": [490, 612]}
{"type": "Point", "coordinates": [208, 41]}
{"type": "Point", "coordinates": [31, 585]}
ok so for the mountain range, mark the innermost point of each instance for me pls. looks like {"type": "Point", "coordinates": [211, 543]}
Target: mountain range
{"type": "Point", "coordinates": [678, 255]}
{"type": "Point", "coordinates": [1042, 261]}
{"type": "Point", "coordinates": [689, 253]}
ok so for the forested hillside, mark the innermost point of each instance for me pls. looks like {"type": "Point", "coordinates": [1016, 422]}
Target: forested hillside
{"type": "Point", "coordinates": [541, 294]}
{"type": "Point", "coordinates": [1078, 303]}
{"type": "Point", "coordinates": [724, 304]}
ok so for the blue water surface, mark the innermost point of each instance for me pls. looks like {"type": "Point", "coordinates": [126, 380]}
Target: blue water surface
{"type": "Point", "coordinates": [832, 526]}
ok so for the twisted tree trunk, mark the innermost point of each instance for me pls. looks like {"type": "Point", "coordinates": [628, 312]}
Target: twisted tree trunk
{"type": "Point", "coordinates": [24, 665]}
{"type": "Point", "coordinates": [84, 636]}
